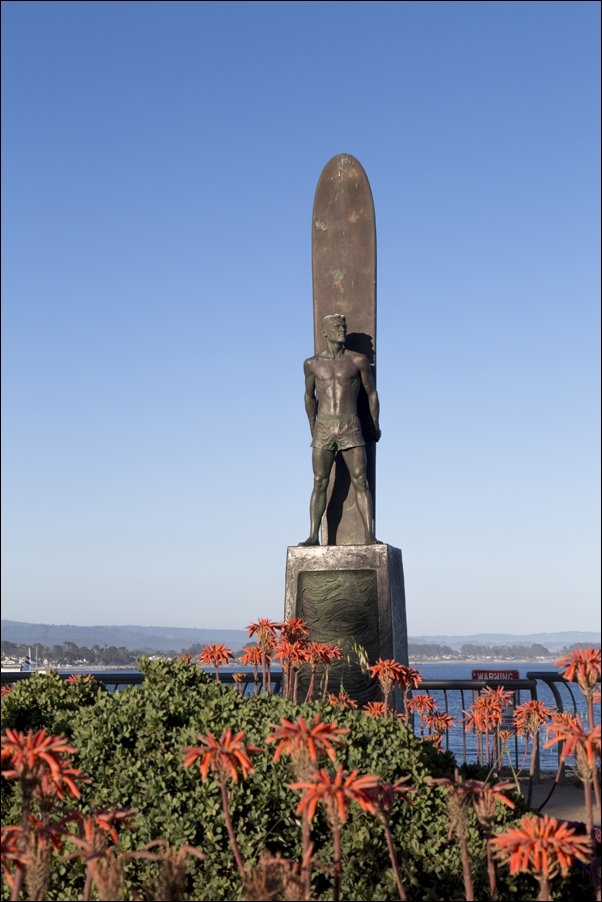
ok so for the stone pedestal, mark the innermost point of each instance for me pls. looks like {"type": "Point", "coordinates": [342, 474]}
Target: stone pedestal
{"type": "Point", "coordinates": [352, 595]}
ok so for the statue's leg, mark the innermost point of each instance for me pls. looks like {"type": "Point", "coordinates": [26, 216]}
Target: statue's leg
{"type": "Point", "coordinates": [322, 462]}
{"type": "Point", "coordinates": [355, 458]}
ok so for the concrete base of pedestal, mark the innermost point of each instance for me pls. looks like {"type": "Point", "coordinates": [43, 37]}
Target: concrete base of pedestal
{"type": "Point", "coordinates": [352, 595]}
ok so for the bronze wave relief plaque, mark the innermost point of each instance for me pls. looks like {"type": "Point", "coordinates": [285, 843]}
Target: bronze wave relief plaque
{"type": "Point", "coordinates": [341, 606]}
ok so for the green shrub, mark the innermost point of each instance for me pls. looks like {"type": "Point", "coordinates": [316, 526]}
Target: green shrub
{"type": "Point", "coordinates": [129, 744]}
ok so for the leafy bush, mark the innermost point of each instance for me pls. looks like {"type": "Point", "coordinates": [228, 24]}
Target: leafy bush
{"type": "Point", "coordinates": [130, 745]}
{"type": "Point", "coordinates": [46, 700]}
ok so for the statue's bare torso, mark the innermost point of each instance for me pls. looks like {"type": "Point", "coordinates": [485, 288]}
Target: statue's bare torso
{"type": "Point", "coordinates": [337, 382]}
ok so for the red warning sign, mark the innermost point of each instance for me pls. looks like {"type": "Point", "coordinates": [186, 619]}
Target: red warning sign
{"type": "Point", "coordinates": [495, 675]}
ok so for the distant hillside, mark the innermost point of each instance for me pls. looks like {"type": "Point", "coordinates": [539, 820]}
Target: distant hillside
{"type": "Point", "coordinates": [166, 638]}
{"type": "Point", "coordinates": [142, 638]}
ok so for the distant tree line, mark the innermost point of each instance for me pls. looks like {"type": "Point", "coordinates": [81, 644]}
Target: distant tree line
{"type": "Point", "coordinates": [69, 653]}
{"type": "Point", "coordinates": [506, 652]}
{"type": "Point", "coordinates": [425, 651]}
{"type": "Point", "coordinates": [575, 645]}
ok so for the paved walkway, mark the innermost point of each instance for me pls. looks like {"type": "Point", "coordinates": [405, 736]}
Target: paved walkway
{"type": "Point", "coordinates": [567, 802]}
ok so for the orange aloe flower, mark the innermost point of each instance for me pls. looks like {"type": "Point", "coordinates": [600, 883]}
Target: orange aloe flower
{"type": "Point", "coordinates": [292, 655]}
{"type": "Point", "coordinates": [265, 630]}
{"type": "Point", "coordinates": [216, 654]}
{"type": "Point", "coordinates": [541, 846]}
{"type": "Point", "coordinates": [376, 709]}
{"type": "Point", "coordinates": [390, 674]}
{"type": "Point", "coordinates": [336, 793]}
{"type": "Point", "coordinates": [396, 674]}
{"type": "Point", "coordinates": [343, 699]}
{"type": "Point", "coordinates": [297, 654]}
{"type": "Point", "coordinates": [314, 654]}
{"type": "Point", "coordinates": [84, 677]}
{"type": "Point", "coordinates": [294, 736]}
{"type": "Point", "coordinates": [528, 720]}
{"type": "Point", "coordinates": [410, 678]}
{"type": "Point", "coordinates": [499, 695]}
{"type": "Point", "coordinates": [227, 754]}
{"type": "Point", "coordinates": [108, 822]}
{"type": "Point", "coordinates": [486, 715]}
{"type": "Point", "coordinates": [6, 688]}
{"type": "Point", "coordinates": [424, 704]}
{"type": "Point", "coordinates": [439, 722]}
{"type": "Point", "coordinates": [304, 744]}
{"type": "Point", "coordinates": [224, 756]}
{"type": "Point", "coordinates": [489, 711]}
{"type": "Point", "coordinates": [30, 755]}
{"type": "Point", "coordinates": [490, 703]}
{"type": "Point", "coordinates": [504, 736]}
{"type": "Point", "coordinates": [575, 738]}
{"type": "Point", "coordinates": [582, 666]}
{"type": "Point", "coordinates": [478, 721]}
{"type": "Point", "coordinates": [294, 628]}
{"type": "Point", "coordinates": [253, 657]}
{"type": "Point", "coordinates": [474, 720]}
{"type": "Point", "coordinates": [565, 718]}
{"type": "Point", "coordinates": [93, 826]}
{"type": "Point", "coordinates": [282, 651]}
{"type": "Point", "coordinates": [530, 716]}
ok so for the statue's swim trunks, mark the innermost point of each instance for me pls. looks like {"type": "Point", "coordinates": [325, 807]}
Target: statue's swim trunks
{"type": "Point", "coordinates": [337, 432]}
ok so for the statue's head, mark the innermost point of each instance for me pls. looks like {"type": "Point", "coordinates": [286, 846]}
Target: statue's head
{"type": "Point", "coordinates": [334, 327]}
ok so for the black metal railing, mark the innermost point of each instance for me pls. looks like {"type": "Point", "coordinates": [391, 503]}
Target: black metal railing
{"type": "Point", "coordinates": [475, 687]}
{"type": "Point", "coordinates": [135, 678]}
{"type": "Point", "coordinates": [551, 679]}
{"type": "Point", "coordinates": [123, 678]}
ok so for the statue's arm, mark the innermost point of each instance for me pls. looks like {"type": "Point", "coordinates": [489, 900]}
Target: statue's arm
{"type": "Point", "coordinates": [368, 383]}
{"type": "Point", "coordinates": [310, 394]}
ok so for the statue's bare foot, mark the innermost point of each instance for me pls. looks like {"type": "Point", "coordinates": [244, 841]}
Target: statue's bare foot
{"type": "Point", "coordinates": [372, 540]}
{"type": "Point", "coordinates": [313, 540]}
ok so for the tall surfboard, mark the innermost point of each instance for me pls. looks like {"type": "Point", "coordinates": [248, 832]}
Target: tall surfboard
{"type": "Point", "coordinates": [344, 281]}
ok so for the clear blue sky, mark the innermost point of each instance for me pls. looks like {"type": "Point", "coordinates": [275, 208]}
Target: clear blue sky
{"type": "Point", "coordinates": [160, 161]}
